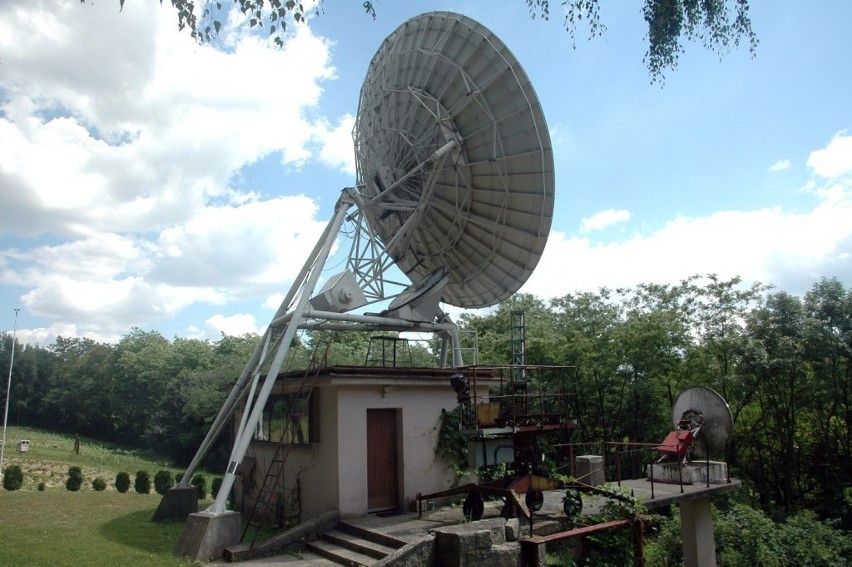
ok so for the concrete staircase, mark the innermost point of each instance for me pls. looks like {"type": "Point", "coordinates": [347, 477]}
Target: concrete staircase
{"type": "Point", "coordinates": [353, 546]}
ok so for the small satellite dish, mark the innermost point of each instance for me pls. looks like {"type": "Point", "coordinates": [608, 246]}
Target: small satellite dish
{"type": "Point", "coordinates": [454, 159]}
{"type": "Point", "coordinates": [705, 408]}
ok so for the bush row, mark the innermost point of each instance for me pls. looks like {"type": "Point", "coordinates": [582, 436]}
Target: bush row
{"type": "Point", "coordinates": [163, 481]}
{"type": "Point", "coordinates": [13, 479]}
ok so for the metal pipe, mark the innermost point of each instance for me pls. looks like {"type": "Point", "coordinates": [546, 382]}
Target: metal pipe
{"type": "Point", "coordinates": [439, 153]}
{"type": "Point", "coordinates": [8, 391]}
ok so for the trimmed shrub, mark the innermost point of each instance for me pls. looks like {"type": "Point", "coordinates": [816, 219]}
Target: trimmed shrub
{"type": "Point", "coordinates": [42, 486]}
{"type": "Point", "coordinates": [75, 479]}
{"type": "Point", "coordinates": [163, 481]}
{"type": "Point", "coordinates": [122, 482]}
{"type": "Point", "coordinates": [13, 478]}
{"type": "Point", "coordinates": [200, 483]}
{"type": "Point", "coordinates": [143, 482]}
{"type": "Point", "coordinates": [99, 484]}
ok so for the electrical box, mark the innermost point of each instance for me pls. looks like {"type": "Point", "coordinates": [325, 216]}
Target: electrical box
{"type": "Point", "coordinates": [483, 452]}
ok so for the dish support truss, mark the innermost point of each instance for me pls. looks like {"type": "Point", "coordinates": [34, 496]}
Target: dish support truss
{"type": "Point", "coordinates": [255, 383]}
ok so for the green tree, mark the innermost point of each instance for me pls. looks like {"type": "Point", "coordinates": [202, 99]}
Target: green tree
{"type": "Point", "coordinates": [34, 366]}
{"type": "Point", "coordinates": [163, 481]}
{"type": "Point", "coordinates": [718, 25]}
{"type": "Point", "coordinates": [122, 482]}
{"type": "Point", "coordinates": [142, 484]}
{"type": "Point", "coordinates": [494, 332]}
{"type": "Point", "coordinates": [196, 380]}
{"type": "Point", "coordinates": [655, 340]}
{"type": "Point", "coordinates": [13, 478]}
{"type": "Point", "coordinates": [771, 429]}
{"type": "Point", "coordinates": [828, 349]}
{"type": "Point", "coordinates": [589, 323]}
{"type": "Point", "coordinates": [81, 391]}
{"type": "Point", "coordinates": [75, 479]}
{"type": "Point", "coordinates": [141, 372]}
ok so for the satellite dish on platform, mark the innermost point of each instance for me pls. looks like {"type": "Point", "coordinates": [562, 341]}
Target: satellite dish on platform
{"type": "Point", "coordinates": [705, 408]}
{"type": "Point", "coordinates": [454, 159]}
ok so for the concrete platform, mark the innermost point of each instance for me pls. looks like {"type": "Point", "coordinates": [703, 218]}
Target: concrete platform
{"type": "Point", "coordinates": [661, 495]}
{"type": "Point", "coordinates": [410, 527]}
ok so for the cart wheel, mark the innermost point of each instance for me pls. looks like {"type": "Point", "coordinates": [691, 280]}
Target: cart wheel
{"type": "Point", "coordinates": [473, 507]}
{"type": "Point", "coordinates": [572, 504]}
{"type": "Point", "coordinates": [534, 500]}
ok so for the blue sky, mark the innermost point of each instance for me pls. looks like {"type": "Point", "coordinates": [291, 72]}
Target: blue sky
{"type": "Point", "coordinates": [146, 181]}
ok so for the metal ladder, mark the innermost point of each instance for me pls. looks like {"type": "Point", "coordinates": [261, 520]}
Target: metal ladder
{"type": "Point", "coordinates": [268, 498]}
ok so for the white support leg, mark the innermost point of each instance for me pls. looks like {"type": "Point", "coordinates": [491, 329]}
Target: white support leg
{"type": "Point", "coordinates": [696, 531]}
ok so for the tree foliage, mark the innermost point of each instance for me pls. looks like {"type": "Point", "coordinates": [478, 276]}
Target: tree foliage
{"type": "Point", "coordinates": [122, 482]}
{"type": "Point", "coordinates": [13, 478]}
{"type": "Point", "coordinates": [142, 484]}
{"type": "Point", "coordinates": [746, 537]}
{"type": "Point", "coordinates": [783, 363]}
{"type": "Point", "coordinates": [718, 25]}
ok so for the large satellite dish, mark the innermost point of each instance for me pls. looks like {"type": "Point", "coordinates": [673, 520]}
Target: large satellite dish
{"type": "Point", "coordinates": [455, 187]}
{"type": "Point", "coordinates": [483, 211]}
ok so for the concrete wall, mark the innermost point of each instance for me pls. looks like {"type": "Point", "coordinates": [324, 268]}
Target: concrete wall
{"type": "Point", "coordinates": [314, 465]}
{"type": "Point", "coordinates": [419, 409]}
{"type": "Point", "coordinates": [333, 471]}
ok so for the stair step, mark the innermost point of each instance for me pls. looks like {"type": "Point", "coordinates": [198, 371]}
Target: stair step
{"type": "Point", "coordinates": [355, 543]}
{"type": "Point", "coordinates": [377, 537]}
{"type": "Point", "coordinates": [314, 560]}
{"type": "Point", "coordinates": [340, 554]}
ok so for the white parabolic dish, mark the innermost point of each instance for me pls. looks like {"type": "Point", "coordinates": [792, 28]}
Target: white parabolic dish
{"type": "Point", "coordinates": [484, 212]}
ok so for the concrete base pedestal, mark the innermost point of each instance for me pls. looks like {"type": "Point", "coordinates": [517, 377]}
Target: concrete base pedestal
{"type": "Point", "coordinates": [696, 472]}
{"type": "Point", "coordinates": [206, 535]}
{"type": "Point", "coordinates": [696, 531]}
{"type": "Point", "coordinates": [588, 469]}
{"type": "Point", "coordinates": [177, 503]}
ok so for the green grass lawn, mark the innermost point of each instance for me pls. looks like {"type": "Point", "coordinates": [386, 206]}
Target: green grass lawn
{"type": "Point", "coordinates": [57, 527]}
{"type": "Point", "coordinates": [51, 454]}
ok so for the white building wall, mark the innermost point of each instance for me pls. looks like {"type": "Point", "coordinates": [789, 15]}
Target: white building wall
{"type": "Point", "coordinates": [333, 471]}
{"type": "Point", "coordinates": [418, 421]}
{"type": "Point", "coordinates": [317, 466]}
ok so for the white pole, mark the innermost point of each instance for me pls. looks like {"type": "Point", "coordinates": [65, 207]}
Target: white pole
{"type": "Point", "coordinates": [8, 392]}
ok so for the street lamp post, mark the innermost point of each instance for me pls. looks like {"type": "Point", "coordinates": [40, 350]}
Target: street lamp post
{"type": "Point", "coordinates": [8, 392]}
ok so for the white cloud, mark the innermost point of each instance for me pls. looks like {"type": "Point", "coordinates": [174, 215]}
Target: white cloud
{"type": "Point", "coordinates": [338, 150]}
{"type": "Point", "coordinates": [106, 134]}
{"type": "Point", "coordinates": [789, 249]}
{"type": "Point", "coordinates": [604, 219]}
{"type": "Point", "coordinates": [119, 139]}
{"type": "Point", "coordinates": [780, 165]}
{"type": "Point", "coordinates": [835, 160]}
{"type": "Point", "coordinates": [110, 283]}
{"type": "Point", "coordinates": [217, 325]}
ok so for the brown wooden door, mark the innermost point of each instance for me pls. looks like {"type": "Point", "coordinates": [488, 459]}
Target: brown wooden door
{"type": "Point", "coordinates": [382, 466]}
